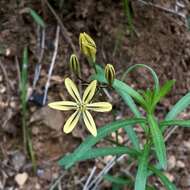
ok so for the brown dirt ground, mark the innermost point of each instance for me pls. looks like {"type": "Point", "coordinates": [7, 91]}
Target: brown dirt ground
{"type": "Point", "coordinates": [161, 41]}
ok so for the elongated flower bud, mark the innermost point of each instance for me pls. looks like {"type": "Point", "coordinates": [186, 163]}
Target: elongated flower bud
{"type": "Point", "coordinates": [74, 64]}
{"type": "Point", "coordinates": [87, 46]}
{"type": "Point", "coordinates": [109, 73]}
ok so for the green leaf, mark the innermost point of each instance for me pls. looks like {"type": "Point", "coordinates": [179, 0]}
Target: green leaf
{"type": "Point", "coordinates": [118, 180]}
{"type": "Point", "coordinates": [24, 78]}
{"type": "Point", "coordinates": [37, 18]}
{"type": "Point", "coordinates": [183, 123]}
{"type": "Point", "coordinates": [141, 177]}
{"type": "Point", "coordinates": [148, 187]}
{"type": "Point", "coordinates": [180, 106]}
{"type": "Point", "coordinates": [128, 15]}
{"type": "Point", "coordinates": [100, 152]}
{"type": "Point", "coordinates": [158, 140]}
{"type": "Point", "coordinates": [148, 96]}
{"type": "Point", "coordinates": [132, 136]}
{"type": "Point", "coordinates": [165, 89]}
{"type": "Point", "coordinates": [154, 75]}
{"type": "Point", "coordinates": [163, 178]}
{"type": "Point", "coordinates": [69, 160]}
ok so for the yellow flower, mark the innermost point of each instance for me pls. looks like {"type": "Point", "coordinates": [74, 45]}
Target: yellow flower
{"type": "Point", "coordinates": [81, 106]}
{"type": "Point", "coordinates": [87, 46]}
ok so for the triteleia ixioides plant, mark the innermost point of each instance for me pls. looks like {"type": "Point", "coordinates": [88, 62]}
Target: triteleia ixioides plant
{"type": "Point", "coordinates": [81, 106]}
{"type": "Point", "coordinates": [142, 151]}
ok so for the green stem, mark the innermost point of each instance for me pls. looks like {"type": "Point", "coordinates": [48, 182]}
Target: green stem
{"type": "Point", "coordinates": [93, 64]}
{"type": "Point", "coordinates": [24, 127]}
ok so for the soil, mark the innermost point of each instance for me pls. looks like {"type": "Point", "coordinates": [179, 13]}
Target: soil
{"type": "Point", "coordinates": [161, 40]}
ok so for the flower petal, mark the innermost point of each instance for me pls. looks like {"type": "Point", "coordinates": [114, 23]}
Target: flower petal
{"type": "Point", "coordinates": [71, 122]}
{"type": "Point", "coordinates": [63, 105]}
{"type": "Point", "coordinates": [89, 92]}
{"type": "Point", "coordinates": [72, 89]}
{"type": "Point", "coordinates": [89, 122]}
{"type": "Point", "coordinates": [100, 106]}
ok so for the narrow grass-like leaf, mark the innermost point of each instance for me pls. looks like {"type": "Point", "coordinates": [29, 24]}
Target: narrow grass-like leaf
{"type": "Point", "coordinates": [118, 180]}
{"type": "Point", "coordinates": [158, 140]}
{"type": "Point", "coordinates": [182, 123]}
{"type": "Point", "coordinates": [132, 136]}
{"type": "Point", "coordinates": [23, 93]}
{"type": "Point", "coordinates": [37, 18]}
{"type": "Point", "coordinates": [169, 185]}
{"type": "Point", "coordinates": [24, 72]}
{"type": "Point", "coordinates": [128, 14]}
{"type": "Point", "coordinates": [141, 177]}
{"type": "Point", "coordinates": [148, 187]}
{"type": "Point", "coordinates": [166, 88]}
{"type": "Point", "coordinates": [180, 106]}
{"type": "Point", "coordinates": [154, 75]}
{"type": "Point", "coordinates": [31, 152]}
{"type": "Point", "coordinates": [99, 152]}
{"type": "Point", "coordinates": [69, 160]}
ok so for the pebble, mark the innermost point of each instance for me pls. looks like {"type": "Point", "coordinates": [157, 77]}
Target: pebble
{"type": "Point", "coordinates": [187, 144]}
{"type": "Point", "coordinates": [2, 89]}
{"type": "Point", "coordinates": [21, 178]}
{"type": "Point", "coordinates": [18, 160]}
{"type": "Point", "coordinates": [180, 164]}
{"type": "Point", "coordinates": [171, 162]}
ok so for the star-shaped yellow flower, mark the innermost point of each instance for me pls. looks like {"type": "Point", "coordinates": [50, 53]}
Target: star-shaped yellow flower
{"type": "Point", "coordinates": [81, 106]}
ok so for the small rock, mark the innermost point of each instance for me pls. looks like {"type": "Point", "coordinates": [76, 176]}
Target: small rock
{"type": "Point", "coordinates": [21, 178]}
{"type": "Point", "coordinates": [35, 130]}
{"type": "Point", "coordinates": [49, 117]}
{"type": "Point", "coordinates": [2, 89]}
{"type": "Point", "coordinates": [37, 186]}
{"type": "Point", "coordinates": [171, 162]}
{"type": "Point", "coordinates": [18, 160]}
{"type": "Point", "coordinates": [187, 144]}
{"type": "Point", "coordinates": [180, 164]}
{"type": "Point", "coordinates": [108, 158]}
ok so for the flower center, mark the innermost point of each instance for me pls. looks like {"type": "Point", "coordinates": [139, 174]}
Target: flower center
{"type": "Point", "coordinates": [82, 106]}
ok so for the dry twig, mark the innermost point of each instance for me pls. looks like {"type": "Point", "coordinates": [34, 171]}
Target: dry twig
{"type": "Point", "coordinates": [52, 64]}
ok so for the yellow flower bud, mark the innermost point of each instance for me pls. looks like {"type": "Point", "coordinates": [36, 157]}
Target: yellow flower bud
{"type": "Point", "coordinates": [74, 64]}
{"type": "Point", "coordinates": [110, 74]}
{"type": "Point", "coordinates": [87, 46]}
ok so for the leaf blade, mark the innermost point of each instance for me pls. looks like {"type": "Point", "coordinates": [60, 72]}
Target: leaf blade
{"type": "Point", "coordinates": [141, 177]}
{"type": "Point", "coordinates": [37, 18]}
{"type": "Point", "coordinates": [69, 160]}
{"type": "Point", "coordinates": [158, 140]}
{"type": "Point", "coordinates": [163, 178]}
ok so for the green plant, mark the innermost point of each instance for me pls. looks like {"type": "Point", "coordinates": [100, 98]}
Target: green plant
{"type": "Point", "coordinates": [128, 14]}
{"type": "Point", "coordinates": [153, 144]}
{"type": "Point", "coordinates": [23, 86]}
